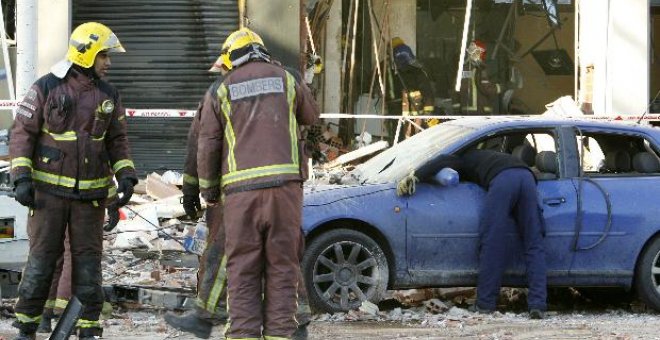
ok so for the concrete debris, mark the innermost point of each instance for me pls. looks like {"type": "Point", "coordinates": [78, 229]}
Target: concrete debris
{"type": "Point", "coordinates": [369, 308]}
{"type": "Point", "coordinates": [413, 297]}
{"type": "Point", "coordinates": [157, 188]}
{"type": "Point", "coordinates": [172, 178]}
{"type": "Point", "coordinates": [357, 154]}
{"type": "Point", "coordinates": [563, 107]}
{"type": "Point", "coordinates": [435, 306]}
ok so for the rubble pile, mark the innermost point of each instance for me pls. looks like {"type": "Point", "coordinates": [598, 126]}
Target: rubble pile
{"type": "Point", "coordinates": [147, 246]}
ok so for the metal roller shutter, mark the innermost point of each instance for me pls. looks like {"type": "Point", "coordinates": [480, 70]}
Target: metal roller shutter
{"type": "Point", "coordinates": [170, 45]}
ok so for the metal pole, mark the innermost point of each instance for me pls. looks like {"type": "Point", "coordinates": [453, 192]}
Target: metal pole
{"type": "Point", "coordinates": [26, 46]}
{"type": "Point", "coordinates": [466, 26]}
{"type": "Point", "coordinates": [5, 54]}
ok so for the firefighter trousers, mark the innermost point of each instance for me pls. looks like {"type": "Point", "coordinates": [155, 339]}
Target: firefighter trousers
{"type": "Point", "coordinates": [212, 274]}
{"type": "Point", "coordinates": [511, 198]}
{"type": "Point", "coordinates": [60, 288]}
{"type": "Point", "coordinates": [49, 220]}
{"type": "Point", "coordinates": [263, 267]}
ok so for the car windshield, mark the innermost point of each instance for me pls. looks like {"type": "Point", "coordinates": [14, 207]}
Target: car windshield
{"type": "Point", "coordinates": [399, 160]}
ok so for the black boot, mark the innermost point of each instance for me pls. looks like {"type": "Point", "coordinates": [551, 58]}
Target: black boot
{"type": "Point", "coordinates": [300, 333]}
{"type": "Point", "coordinates": [89, 333]}
{"type": "Point", "coordinates": [190, 322]}
{"type": "Point", "coordinates": [26, 336]}
{"type": "Point", "coordinates": [26, 331]}
{"type": "Point", "coordinates": [45, 326]}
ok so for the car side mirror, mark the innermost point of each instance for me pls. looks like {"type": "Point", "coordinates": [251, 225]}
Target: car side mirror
{"type": "Point", "coordinates": [447, 177]}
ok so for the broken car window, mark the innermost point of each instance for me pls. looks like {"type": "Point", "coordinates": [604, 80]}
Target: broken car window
{"type": "Point", "coordinates": [399, 160]}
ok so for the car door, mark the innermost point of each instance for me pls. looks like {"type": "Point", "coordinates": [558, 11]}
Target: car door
{"type": "Point", "coordinates": [558, 201]}
{"type": "Point", "coordinates": [442, 232]}
{"type": "Point", "coordinates": [616, 199]}
{"type": "Point", "coordinates": [442, 227]}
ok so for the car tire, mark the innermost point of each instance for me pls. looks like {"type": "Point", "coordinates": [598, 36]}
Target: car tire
{"type": "Point", "coordinates": [647, 275]}
{"type": "Point", "coordinates": [342, 268]}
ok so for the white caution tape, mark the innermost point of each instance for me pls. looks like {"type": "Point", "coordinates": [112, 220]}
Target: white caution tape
{"type": "Point", "coordinates": [653, 116]}
{"type": "Point", "coordinates": [8, 104]}
{"type": "Point", "coordinates": [165, 113]}
{"type": "Point", "coordinates": [172, 113]}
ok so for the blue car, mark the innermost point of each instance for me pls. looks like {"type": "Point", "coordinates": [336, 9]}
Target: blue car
{"type": "Point", "coordinates": [598, 185]}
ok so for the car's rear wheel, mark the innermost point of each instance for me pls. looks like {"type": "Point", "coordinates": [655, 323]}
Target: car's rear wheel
{"type": "Point", "coordinates": [342, 268]}
{"type": "Point", "coordinates": [647, 275]}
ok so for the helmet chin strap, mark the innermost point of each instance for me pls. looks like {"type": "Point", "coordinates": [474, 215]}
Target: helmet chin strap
{"type": "Point", "coordinates": [89, 71]}
{"type": "Point", "coordinates": [250, 53]}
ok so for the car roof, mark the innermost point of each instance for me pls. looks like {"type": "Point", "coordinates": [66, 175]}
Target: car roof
{"type": "Point", "coordinates": [495, 122]}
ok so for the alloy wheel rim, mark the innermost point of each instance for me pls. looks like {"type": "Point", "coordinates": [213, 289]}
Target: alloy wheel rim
{"type": "Point", "coordinates": [345, 274]}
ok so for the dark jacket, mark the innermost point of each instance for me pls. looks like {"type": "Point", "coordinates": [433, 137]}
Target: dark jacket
{"type": "Point", "coordinates": [249, 134]}
{"type": "Point", "coordinates": [478, 166]}
{"type": "Point", "coordinates": [412, 78]}
{"type": "Point", "coordinates": [190, 178]}
{"type": "Point", "coordinates": [69, 137]}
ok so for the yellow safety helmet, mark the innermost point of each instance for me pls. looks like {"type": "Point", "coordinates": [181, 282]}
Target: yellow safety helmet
{"type": "Point", "coordinates": [86, 41]}
{"type": "Point", "coordinates": [396, 41]}
{"type": "Point", "coordinates": [238, 39]}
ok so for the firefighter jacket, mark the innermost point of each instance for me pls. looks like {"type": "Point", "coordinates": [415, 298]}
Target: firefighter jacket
{"type": "Point", "coordinates": [190, 178]}
{"type": "Point", "coordinates": [69, 137]}
{"type": "Point", "coordinates": [249, 135]}
{"type": "Point", "coordinates": [411, 81]}
{"type": "Point", "coordinates": [478, 95]}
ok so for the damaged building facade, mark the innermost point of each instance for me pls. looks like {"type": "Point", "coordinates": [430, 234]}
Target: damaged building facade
{"type": "Point", "coordinates": [598, 52]}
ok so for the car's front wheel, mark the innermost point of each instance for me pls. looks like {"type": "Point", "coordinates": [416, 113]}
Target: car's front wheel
{"type": "Point", "coordinates": [647, 276]}
{"type": "Point", "coordinates": [342, 268]}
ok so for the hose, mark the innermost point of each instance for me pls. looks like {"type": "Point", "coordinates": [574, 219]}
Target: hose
{"type": "Point", "coordinates": [580, 213]}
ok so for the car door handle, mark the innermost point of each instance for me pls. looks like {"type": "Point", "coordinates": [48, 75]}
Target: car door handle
{"type": "Point", "coordinates": [554, 201]}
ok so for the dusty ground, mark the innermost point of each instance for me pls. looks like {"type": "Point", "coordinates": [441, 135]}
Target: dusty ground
{"type": "Point", "coordinates": [603, 325]}
{"type": "Point", "coordinates": [586, 319]}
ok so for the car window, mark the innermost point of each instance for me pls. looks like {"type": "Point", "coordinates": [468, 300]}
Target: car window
{"type": "Point", "coordinates": [537, 148]}
{"type": "Point", "coordinates": [542, 141]}
{"type": "Point", "coordinates": [611, 154]}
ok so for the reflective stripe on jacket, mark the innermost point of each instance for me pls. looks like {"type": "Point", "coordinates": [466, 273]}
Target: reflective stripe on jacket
{"type": "Point", "coordinates": [249, 134]}
{"type": "Point", "coordinates": [69, 137]}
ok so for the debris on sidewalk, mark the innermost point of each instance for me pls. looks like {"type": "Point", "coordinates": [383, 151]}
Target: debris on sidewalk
{"type": "Point", "coordinates": [157, 188]}
{"type": "Point", "coordinates": [357, 154]}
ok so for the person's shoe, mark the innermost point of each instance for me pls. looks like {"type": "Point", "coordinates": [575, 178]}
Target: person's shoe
{"type": "Point", "coordinates": [536, 314]}
{"type": "Point", "coordinates": [26, 336]}
{"type": "Point", "coordinates": [45, 326]}
{"type": "Point", "coordinates": [190, 322]}
{"type": "Point", "coordinates": [476, 309]}
{"type": "Point", "coordinates": [90, 333]}
{"type": "Point", "coordinates": [300, 333]}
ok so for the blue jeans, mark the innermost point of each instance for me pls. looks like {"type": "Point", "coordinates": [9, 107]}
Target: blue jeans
{"type": "Point", "coordinates": [511, 197]}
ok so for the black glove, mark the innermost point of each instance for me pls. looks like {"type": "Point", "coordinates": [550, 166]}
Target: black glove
{"type": "Point", "coordinates": [190, 200]}
{"type": "Point", "coordinates": [192, 205]}
{"type": "Point", "coordinates": [126, 188]}
{"type": "Point", "coordinates": [212, 195]}
{"type": "Point", "coordinates": [24, 192]}
{"type": "Point", "coordinates": [113, 217]}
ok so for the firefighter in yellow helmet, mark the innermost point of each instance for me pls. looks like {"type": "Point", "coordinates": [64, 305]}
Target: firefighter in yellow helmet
{"type": "Point", "coordinates": [250, 157]}
{"type": "Point", "coordinates": [67, 143]}
{"type": "Point", "coordinates": [411, 93]}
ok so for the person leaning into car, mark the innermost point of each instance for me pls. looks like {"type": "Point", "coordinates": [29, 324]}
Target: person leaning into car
{"type": "Point", "coordinates": [511, 196]}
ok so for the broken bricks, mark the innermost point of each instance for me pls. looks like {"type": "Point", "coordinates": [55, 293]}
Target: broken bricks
{"type": "Point", "coordinates": [435, 306]}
